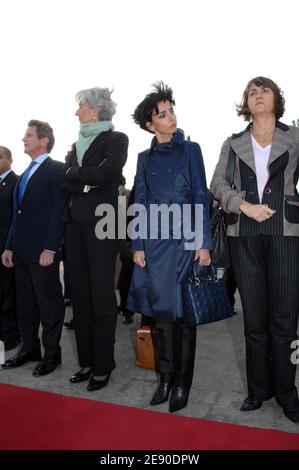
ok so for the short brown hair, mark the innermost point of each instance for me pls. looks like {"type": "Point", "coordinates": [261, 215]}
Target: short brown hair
{"type": "Point", "coordinates": [279, 101]}
{"type": "Point", "coordinates": [43, 129]}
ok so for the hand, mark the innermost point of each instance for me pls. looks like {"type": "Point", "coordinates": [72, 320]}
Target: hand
{"type": "Point", "coordinates": [46, 258]}
{"type": "Point", "coordinates": [203, 255]}
{"type": "Point", "coordinates": [257, 212]}
{"type": "Point", "coordinates": [139, 258]}
{"type": "Point", "coordinates": [7, 259]}
{"type": "Point", "coordinates": [215, 204]}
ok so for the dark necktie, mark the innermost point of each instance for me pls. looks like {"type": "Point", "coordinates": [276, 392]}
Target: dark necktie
{"type": "Point", "coordinates": [23, 182]}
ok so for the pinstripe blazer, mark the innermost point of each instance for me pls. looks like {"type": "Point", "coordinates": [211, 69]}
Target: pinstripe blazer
{"type": "Point", "coordinates": [280, 191]}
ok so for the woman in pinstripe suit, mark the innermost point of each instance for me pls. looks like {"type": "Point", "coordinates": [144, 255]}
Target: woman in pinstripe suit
{"type": "Point", "coordinates": [263, 234]}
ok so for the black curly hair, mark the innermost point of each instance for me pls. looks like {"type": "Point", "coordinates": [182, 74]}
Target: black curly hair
{"type": "Point", "coordinates": [143, 112]}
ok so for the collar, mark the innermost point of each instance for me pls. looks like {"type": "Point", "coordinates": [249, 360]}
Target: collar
{"type": "Point", "coordinates": [242, 145]}
{"type": "Point", "coordinates": [167, 147]}
{"type": "Point", "coordinates": [278, 124]}
{"type": "Point", "coordinates": [4, 174]}
{"type": "Point", "coordinates": [41, 158]}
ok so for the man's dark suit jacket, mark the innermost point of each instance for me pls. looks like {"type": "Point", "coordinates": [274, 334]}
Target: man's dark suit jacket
{"type": "Point", "coordinates": [101, 168]}
{"type": "Point", "coordinates": [36, 223]}
{"type": "Point", "coordinates": [6, 201]}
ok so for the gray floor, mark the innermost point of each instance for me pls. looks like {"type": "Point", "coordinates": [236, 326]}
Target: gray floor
{"type": "Point", "coordinates": [219, 384]}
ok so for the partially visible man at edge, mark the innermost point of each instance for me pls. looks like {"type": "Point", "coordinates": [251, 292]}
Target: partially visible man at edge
{"type": "Point", "coordinates": [9, 331]}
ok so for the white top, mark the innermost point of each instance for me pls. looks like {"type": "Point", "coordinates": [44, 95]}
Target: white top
{"type": "Point", "coordinates": [261, 157]}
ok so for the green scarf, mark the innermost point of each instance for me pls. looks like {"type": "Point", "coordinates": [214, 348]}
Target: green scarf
{"type": "Point", "coordinates": [88, 132]}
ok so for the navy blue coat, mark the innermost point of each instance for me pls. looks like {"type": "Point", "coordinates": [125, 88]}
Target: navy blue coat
{"type": "Point", "coordinates": [168, 173]}
{"type": "Point", "coordinates": [37, 222]}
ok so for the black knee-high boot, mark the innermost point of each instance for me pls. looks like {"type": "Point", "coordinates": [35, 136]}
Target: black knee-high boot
{"type": "Point", "coordinates": [185, 346]}
{"type": "Point", "coordinates": [165, 337]}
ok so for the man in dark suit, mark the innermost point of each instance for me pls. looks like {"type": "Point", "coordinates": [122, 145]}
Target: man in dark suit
{"type": "Point", "coordinates": [9, 331]}
{"type": "Point", "coordinates": [33, 246]}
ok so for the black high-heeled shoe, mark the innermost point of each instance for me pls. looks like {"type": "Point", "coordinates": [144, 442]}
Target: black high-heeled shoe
{"type": "Point", "coordinates": [290, 408]}
{"type": "Point", "coordinates": [250, 404]}
{"type": "Point", "coordinates": [94, 384]}
{"type": "Point", "coordinates": [80, 376]}
{"type": "Point", "coordinates": [163, 390]}
{"type": "Point", "coordinates": [178, 398]}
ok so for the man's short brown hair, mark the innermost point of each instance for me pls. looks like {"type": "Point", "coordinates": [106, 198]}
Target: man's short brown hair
{"type": "Point", "coordinates": [43, 129]}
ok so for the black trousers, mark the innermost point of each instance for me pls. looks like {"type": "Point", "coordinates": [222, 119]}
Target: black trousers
{"type": "Point", "coordinates": [9, 330]}
{"type": "Point", "coordinates": [266, 269]}
{"type": "Point", "coordinates": [91, 263]}
{"type": "Point", "coordinates": [40, 300]}
{"type": "Point", "coordinates": [125, 273]}
{"type": "Point", "coordinates": [230, 285]}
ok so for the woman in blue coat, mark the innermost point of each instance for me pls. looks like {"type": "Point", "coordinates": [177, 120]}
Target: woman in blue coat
{"type": "Point", "coordinates": [170, 180]}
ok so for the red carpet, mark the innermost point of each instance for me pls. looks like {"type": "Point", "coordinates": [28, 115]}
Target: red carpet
{"type": "Point", "coordinates": [36, 420]}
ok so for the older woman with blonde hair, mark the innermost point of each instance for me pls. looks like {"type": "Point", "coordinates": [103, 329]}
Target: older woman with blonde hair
{"type": "Point", "coordinates": [92, 174]}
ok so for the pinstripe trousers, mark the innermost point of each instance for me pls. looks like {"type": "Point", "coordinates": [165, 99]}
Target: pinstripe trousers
{"type": "Point", "coordinates": [266, 269]}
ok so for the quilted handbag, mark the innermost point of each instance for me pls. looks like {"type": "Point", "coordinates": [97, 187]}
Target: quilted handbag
{"type": "Point", "coordinates": [220, 250]}
{"type": "Point", "coordinates": [204, 296]}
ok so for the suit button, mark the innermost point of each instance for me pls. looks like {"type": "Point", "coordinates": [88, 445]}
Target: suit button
{"type": "Point", "coordinates": [19, 211]}
{"type": "Point", "coordinates": [268, 191]}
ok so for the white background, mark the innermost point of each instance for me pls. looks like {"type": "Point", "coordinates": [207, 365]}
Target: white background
{"type": "Point", "coordinates": [207, 52]}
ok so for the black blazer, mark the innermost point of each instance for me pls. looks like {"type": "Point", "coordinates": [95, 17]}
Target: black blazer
{"type": "Point", "coordinates": [101, 168]}
{"type": "Point", "coordinates": [6, 201]}
{"type": "Point", "coordinates": [36, 223]}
